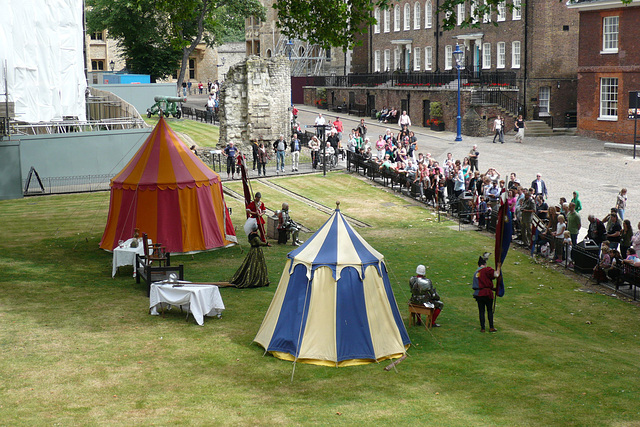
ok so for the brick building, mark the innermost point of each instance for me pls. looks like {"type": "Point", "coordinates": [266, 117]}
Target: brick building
{"type": "Point", "coordinates": [608, 68]}
{"type": "Point", "coordinates": [263, 39]}
{"type": "Point", "coordinates": [536, 43]}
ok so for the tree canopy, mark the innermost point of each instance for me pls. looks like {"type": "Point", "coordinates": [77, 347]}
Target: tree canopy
{"type": "Point", "coordinates": [158, 37]}
{"type": "Point", "coordinates": [337, 23]}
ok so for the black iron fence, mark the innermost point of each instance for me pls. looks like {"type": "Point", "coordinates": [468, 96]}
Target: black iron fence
{"type": "Point", "coordinates": [469, 77]}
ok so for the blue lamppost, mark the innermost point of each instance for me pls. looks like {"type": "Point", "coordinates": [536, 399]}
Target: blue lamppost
{"type": "Point", "coordinates": [457, 55]}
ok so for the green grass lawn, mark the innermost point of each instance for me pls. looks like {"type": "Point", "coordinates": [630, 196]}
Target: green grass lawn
{"type": "Point", "coordinates": [78, 347]}
{"type": "Point", "coordinates": [202, 134]}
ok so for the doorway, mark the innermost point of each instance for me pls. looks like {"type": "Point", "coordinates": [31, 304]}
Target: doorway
{"type": "Point", "coordinates": [426, 112]}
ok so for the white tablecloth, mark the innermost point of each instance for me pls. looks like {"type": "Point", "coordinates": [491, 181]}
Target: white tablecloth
{"type": "Point", "coordinates": [201, 300]}
{"type": "Point", "coordinates": [126, 255]}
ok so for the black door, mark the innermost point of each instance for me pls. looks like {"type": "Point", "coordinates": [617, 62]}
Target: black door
{"type": "Point", "coordinates": [371, 104]}
{"type": "Point", "coordinates": [426, 111]}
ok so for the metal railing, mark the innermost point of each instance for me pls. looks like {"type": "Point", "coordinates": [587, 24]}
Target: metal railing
{"type": "Point", "coordinates": [497, 79]}
{"type": "Point", "coordinates": [505, 99]}
{"type": "Point", "coordinates": [66, 184]}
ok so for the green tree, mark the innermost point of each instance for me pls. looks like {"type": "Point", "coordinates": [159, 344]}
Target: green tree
{"type": "Point", "coordinates": [175, 27]}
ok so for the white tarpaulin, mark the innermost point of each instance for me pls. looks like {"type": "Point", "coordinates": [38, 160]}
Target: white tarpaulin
{"type": "Point", "coordinates": [42, 44]}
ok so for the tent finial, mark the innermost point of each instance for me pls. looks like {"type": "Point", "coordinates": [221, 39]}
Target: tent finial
{"type": "Point", "coordinates": [337, 205]}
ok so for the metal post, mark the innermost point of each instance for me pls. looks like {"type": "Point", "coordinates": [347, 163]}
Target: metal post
{"type": "Point", "coordinates": [457, 55]}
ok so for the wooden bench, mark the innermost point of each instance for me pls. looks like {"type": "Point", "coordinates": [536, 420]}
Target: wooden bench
{"type": "Point", "coordinates": [416, 312]}
{"type": "Point", "coordinates": [358, 110]}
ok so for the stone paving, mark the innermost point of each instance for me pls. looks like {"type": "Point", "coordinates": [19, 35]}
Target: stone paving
{"type": "Point", "coordinates": [567, 163]}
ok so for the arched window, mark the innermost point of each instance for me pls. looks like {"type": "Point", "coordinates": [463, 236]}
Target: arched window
{"type": "Point", "coordinates": [407, 17]}
{"type": "Point", "coordinates": [417, 15]}
{"type": "Point", "coordinates": [428, 14]}
{"type": "Point", "coordinates": [396, 18]}
{"type": "Point", "coordinates": [268, 53]}
{"type": "Point", "coordinates": [376, 26]}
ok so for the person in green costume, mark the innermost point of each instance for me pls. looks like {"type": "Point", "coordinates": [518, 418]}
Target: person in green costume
{"type": "Point", "coordinates": [253, 271]}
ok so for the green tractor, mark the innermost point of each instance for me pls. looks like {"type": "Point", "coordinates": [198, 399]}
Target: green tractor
{"type": "Point", "coordinates": [167, 105]}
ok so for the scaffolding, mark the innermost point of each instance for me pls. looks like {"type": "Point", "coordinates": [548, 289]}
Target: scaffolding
{"type": "Point", "coordinates": [306, 59]}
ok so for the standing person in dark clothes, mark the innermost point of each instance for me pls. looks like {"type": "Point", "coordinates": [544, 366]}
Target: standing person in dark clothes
{"type": "Point", "coordinates": [253, 270]}
{"type": "Point", "coordinates": [483, 289]}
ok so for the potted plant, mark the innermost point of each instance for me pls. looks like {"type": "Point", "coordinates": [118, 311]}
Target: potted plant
{"type": "Point", "coordinates": [321, 98]}
{"type": "Point", "coordinates": [436, 122]}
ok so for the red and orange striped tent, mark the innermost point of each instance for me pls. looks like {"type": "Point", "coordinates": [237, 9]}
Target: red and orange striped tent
{"type": "Point", "coordinates": [169, 193]}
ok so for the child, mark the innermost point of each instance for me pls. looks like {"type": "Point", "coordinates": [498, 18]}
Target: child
{"type": "Point", "coordinates": [559, 237]}
{"type": "Point", "coordinates": [482, 212]}
{"type": "Point", "coordinates": [568, 247]}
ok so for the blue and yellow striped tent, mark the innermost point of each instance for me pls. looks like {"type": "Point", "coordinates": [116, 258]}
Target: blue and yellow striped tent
{"type": "Point", "coordinates": [334, 305]}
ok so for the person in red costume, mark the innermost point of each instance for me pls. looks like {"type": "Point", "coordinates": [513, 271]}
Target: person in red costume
{"type": "Point", "coordinates": [255, 209]}
{"type": "Point", "coordinates": [483, 289]}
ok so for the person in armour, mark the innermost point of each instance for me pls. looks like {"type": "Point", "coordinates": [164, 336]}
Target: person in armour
{"type": "Point", "coordinates": [423, 291]}
{"type": "Point", "coordinates": [285, 223]}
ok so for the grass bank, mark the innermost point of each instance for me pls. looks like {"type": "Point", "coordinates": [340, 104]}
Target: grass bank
{"type": "Point", "coordinates": [78, 347]}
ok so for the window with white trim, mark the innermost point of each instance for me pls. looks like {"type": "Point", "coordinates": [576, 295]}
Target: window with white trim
{"type": "Point", "coordinates": [417, 16]}
{"type": "Point", "coordinates": [396, 18]}
{"type": "Point", "coordinates": [544, 97]}
{"type": "Point", "coordinates": [486, 55]}
{"type": "Point", "coordinates": [610, 34]}
{"type": "Point", "coordinates": [428, 58]}
{"type": "Point", "coordinates": [472, 13]}
{"type": "Point", "coordinates": [515, 54]}
{"type": "Point", "coordinates": [502, 11]}
{"type": "Point", "coordinates": [428, 14]}
{"type": "Point", "coordinates": [448, 57]}
{"type": "Point", "coordinates": [608, 98]}
{"type": "Point", "coordinates": [387, 20]}
{"type": "Point", "coordinates": [516, 13]}
{"type": "Point", "coordinates": [397, 57]}
{"type": "Point", "coordinates": [486, 17]}
{"type": "Point", "coordinates": [387, 60]}
{"type": "Point", "coordinates": [460, 10]}
{"type": "Point", "coordinates": [501, 55]}
{"type": "Point", "coordinates": [376, 61]}
{"type": "Point", "coordinates": [407, 17]}
{"type": "Point", "coordinates": [376, 26]}
{"type": "Point", "coordinates": [416, 59]}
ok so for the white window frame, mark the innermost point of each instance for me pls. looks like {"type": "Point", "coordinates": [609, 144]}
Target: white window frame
{"type": "Point", "coordinates": [397, 57]}
{"type": "Point", "coordinates": [396, 18]}
{"type": "Point", "coordinates": [501, 55]}
{"type": "Point", "coordinates": [486, 56]}
{"type": "Point", "coordinates": [376, 26]}
{"type": "Point", "coordinates": [515, 54]}
{"type": "Point", "coordinates": [608, 98]}
{"type": "Point", "coordinates": [387, 60]}
{"type": "Point", "coordinates": [416, 58]}
{"type": "Point", "coordinates": [610, 34]}
{"type": "Point", "coordinates": [516, 13]}
{"type": "Point", "coordinates": [417, 16]}
{"type": "Point", "coordinates": [407, 17]}
{"type": "Point", "coordinates": [502, 11]}
{"type": "Point", "coordinates": [472, 11]}
{"type": "Point", "coordinates": [448, 57]}
{"type": "Point", "coordinates": [544, 99]}
{"type": "Point", "coordinates": [376, 61]}
{"type": "Point", "coordinates": [486, 17]}
{"type": "Point", "coordinates": [460, 12]}
{"type": "Point", "coordinates": [428, 14]}
{"type": "Point", "coordinates": [428, 58]}
{"type": "Point", "coordinates": [387, 20]}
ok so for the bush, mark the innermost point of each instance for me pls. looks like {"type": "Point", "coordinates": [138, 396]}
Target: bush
{"type": "Point", "coordinates": [436, 109]}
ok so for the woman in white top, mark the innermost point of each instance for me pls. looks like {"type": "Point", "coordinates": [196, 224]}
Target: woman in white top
{"type": "Point", "coordinates": [621, 202]}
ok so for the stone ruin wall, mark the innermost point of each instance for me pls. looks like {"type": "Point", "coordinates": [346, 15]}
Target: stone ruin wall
{"type": "Point", "coordinates": [254, 102]}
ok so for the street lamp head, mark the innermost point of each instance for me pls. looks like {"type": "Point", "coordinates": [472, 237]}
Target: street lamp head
{"type": "Point", "coordinates": [112, 65]}
{"type": "Point", "coordinates": [457, 55]}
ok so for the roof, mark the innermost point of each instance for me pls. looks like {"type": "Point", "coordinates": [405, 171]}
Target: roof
{"type": "Point", "coordinates": [336, 245]}
{"type": "Point", "coordinates": [164, 162]}
{"type": "Point", "coordinates": [585, 5]}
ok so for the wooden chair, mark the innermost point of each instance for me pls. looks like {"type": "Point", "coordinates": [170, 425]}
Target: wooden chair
{"type": "Point", "coordinates": [416, 312]}
{"type": "Point", "coordinates": [155, 264]}
{"type": "Point", "coordinates": [155, 252]}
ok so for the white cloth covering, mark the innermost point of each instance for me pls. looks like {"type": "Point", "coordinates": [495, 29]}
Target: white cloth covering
{"type": "Point", "coordinates": [126, 255]}
{"type": "Point", "coordinates": [199, 299]}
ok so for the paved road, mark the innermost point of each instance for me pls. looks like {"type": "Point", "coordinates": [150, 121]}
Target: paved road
{"type": "Point", "coordinates": [567, 163]}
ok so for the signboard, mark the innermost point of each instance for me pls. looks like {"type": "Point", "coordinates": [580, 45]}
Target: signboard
{"type": "Point", "coordinates": [634, 104]}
